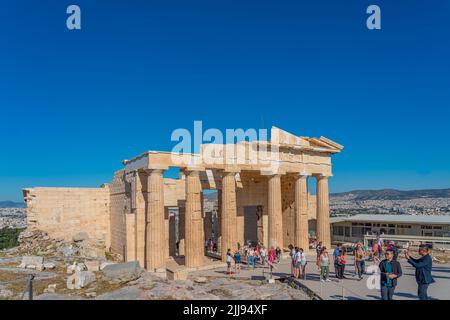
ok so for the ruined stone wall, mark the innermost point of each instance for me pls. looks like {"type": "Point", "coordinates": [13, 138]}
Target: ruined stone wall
{"type": "Point", "coordinates": [64, 212]}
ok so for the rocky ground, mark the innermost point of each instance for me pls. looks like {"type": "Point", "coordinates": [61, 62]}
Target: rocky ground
{"type": "Point", "coordinates": [80, 269]}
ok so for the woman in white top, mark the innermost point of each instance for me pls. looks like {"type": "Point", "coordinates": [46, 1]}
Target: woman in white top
{"type": "Point", "coordinates": [323, 262]}
{"type": "Point", "coordinates": [303, 263]}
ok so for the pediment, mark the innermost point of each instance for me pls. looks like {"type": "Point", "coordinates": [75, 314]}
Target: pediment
{"type": "Point", "coordinates": [287, 139]}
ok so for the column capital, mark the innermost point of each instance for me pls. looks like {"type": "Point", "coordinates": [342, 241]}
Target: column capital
{"type": "Point", "coordinates": [228, 170]}
{"type": "Point", "coordinates": [301, 175]}
{"type": "Point", "coordinates": [154, 171]}
{"type": "Point", "coordinates": [322, 176]}
{"type": "Point", "coordinates": [271, 174]}
{"type": "Point", "coordinates": [190, 171]}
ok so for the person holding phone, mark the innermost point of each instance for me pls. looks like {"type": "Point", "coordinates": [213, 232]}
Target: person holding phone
{"type": "Point", "coordinates": [423, 267]}
{"type": "Point", "coordinates": [390, 271]}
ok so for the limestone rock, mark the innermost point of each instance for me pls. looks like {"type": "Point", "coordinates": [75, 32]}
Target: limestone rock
{"type": "Point", "coordinates": [56, 296]}
{"type": "Point", "coordinates": [32, 262]}
{"type": "Point", "coordinates": [50, 289]}
{"type": "Point", "coordinates": [80, 236]}
{"type": "Point", "coordinates": [106, 263]}
{"type": "Point", "coordinates": [126, 293]}
{"type": "Point", "coordinates": [5, 293]}
{"type": "Point", "coordinates": [80, 279]}
{"type": "Point", "coordinates": [92, 265]}
{"type": "Point", "coordinates": [49, 265]}
{"type": "Point", "coordinates": [67, 250]}
{"type": "Point", "coordinates": [76, 267]}
{"type": "Point", "coordinates": [91, 249]}
{"type": "Point", "coordinates": [122, 272]}
{"type": "Point", "coordinates": [200, 280]}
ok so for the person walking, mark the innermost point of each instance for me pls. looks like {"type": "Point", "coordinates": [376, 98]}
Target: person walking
{"type": "Point", "coordinates": [271, 259]}
{"type": "Point", "coordinates": [360, 260]}
{"type": "Point", "coordinates": [298, 262]}
{"type": "Point", "coordinates": [390, 271]}
{"type": "Point", "coordinates": [336, 253]}
{"type": "Point", "coordinates": [237, 262]}
{"type": "Point", "coordinates": [323, 262]}
{"type": "Point", "coordinates": [292, 252]}
{"type": "Point", "coordinates": [341, 262]}
{"type": "Point", "coordinates": [319, 248]}
{"type": "Point", "coordinates": [303, 263]}
{"type": "Point", "coordinates": [228, 259]}
{"type": "Point", "coordinates": [263, 254]}
{"type": "Point", "coordinates": [278, 254]}
{"type": "Point", "coordinates": [206, 246]}
{"type": "Point", "coordinates": [252, 257]}
{"type": "Point", "coordinates": [423, 267]}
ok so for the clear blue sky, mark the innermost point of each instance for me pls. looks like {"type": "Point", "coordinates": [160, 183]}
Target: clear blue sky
{"type": "Point", "coordinates": [74, 104]}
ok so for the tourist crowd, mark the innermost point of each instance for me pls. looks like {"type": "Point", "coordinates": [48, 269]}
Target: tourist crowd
{"type": "Point", "coordinates": [383, 254]}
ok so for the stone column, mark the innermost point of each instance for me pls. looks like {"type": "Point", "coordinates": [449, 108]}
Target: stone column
{"type": "Point", "coordinates": [194, 252]}
{"type": "Point", "coordinates": [219, 221]}
{"type": "Point", "coordinates": [301, 212]}
{"type": "Point", "coordinates": [275, 212]}
{"type": "Point", "coordinates": [181, 230]}
{"type": "Point", "coordinates": [323, 211]}
{"type": "Point", "coordinates": [167, 232]}
{"type": "Point", "coordinates": [155, 226]}
{"type": "Point", "coordinates": [228, 214]}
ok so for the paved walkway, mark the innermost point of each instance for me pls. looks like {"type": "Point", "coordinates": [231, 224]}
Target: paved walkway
{"type": "Point", "coordinates": [350, 288]}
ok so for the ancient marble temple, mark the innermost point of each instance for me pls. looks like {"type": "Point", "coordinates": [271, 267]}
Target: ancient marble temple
{"type": "Point", "coordinates": [149, 218]}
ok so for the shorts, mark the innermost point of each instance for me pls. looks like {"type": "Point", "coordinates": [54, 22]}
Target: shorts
{"type": "Point", "coordinates": [228, 264]}
{"type": "Point", "coordinates": [298, 265]}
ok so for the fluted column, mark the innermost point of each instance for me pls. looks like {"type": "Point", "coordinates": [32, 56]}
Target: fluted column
{"type": "Point", "coordinates": [219, 221]}
{"type": "Point", "coordinates": [301, 212]}
{"type": "Point", "coordinates": [228, 214]}
{"type": "Point", "coordinates": [181, 230]}
{"type": "Point", "coordinates": [323, 211]}
{"type": "Point", "coordinates": [155, 223]}
{"type": "Point", "coordinates": [194, 221]}
{"type": "Point", "coordinates": [275, 212]}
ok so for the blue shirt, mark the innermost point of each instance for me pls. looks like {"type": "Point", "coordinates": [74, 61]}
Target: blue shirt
{"type": "Point", "coordinates": [336, 252]}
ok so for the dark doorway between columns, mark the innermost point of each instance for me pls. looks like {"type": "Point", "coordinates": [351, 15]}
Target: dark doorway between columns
{"type": "Point", "coordinates": [251, 217]}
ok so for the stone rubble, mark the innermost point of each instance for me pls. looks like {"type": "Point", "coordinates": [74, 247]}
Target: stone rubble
{"type": "Point", "coordinates": [82, 265]}
{"type": "Point", "coordinates": [80, 279]}
{"type": "Point", "coordinates": [38, 243]}
{"type": "Point", "coordinates": [122, 272]}
{"type": "Point", "coordinates": [50, 289]}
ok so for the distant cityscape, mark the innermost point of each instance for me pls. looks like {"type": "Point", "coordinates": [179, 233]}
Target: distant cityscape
{"type": "Point", "coordinates": [349, 205]}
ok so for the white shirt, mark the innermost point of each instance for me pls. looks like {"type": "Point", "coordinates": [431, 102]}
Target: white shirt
{"type": "Point", "coordinates": [303, 257]}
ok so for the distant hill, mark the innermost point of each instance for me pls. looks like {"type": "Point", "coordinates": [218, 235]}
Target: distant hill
{"type": "Point", "coordinates": [211, 196]}
{"type": "Point", "coordinates": [11, 204]}
{"type": "Point", "coordinates": [392, 194]}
